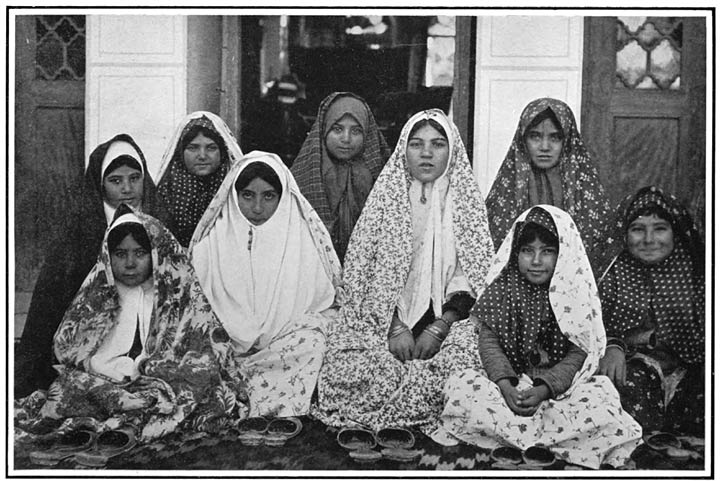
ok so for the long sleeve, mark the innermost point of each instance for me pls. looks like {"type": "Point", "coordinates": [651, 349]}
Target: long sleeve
{"type": "Point", "coordinates": [559, 377]}
{"type": "Point", "coordinates": [494, 360]}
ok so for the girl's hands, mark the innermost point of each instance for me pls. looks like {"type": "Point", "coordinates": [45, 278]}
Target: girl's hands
{"type": "Point", "coordinates": [402, 346]}
{"type": "Point", "coordinates": [531, 398]}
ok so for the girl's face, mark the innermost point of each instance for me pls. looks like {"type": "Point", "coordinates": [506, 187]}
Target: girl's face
{"type": "Point", "coordinates": [123, 185]}
{"type": "Point", "coordinates": [258, 201]}
{"type": "Point", "coordinates": [536, 261]}
{"type": "Point", "coordinates": [345, 139]}
{"type": "Point", "coordinates": [544, 143]}
{"type": "Point", "coordinates": [427, 154]}
{"type": "Point", "coordinates": [202, 156]}
{"type": "Point", "coordinates": [650, 239]}
{"type": "Point", "coordinates": [131, 264]}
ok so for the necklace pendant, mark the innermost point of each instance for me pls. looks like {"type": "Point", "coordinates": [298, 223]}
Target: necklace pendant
{"type": "Point", "coordinates": [423, 199]}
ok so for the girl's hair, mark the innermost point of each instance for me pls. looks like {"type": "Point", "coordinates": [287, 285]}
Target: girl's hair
{"type": "Point", "coordinates": [257, 169]}
{"type": "Point", "coordinates": [118, 234]}
{"type": "Point", "coordinates": [428, 122]}
{"type": "Point", "coordinates": [531, 231]}
{"type": "Point", "coordinates": [658, 211]}
{"type": "Point", "coordinates": [546, 114]}
{"type": "Point", "coordinates": [119, 162]}
{"type": "Point", "coordinates": [208, 133]}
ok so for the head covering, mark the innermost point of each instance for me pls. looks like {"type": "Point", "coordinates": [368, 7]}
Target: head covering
{"type": "Point", "coordinates": [338, 190]}
{"type": "Point", "coordinates": [519, 312]}
{"type": "Point", "coordinates": [117, 149]}
{"type": "Point", "coordinates": [518, 185]}
{"type": "Point", "coordinates": [260, 279]}
{"type": "Point", "coordinates": [93, 202]}
{"type": "Point", "coordinates": [187, 195]}
{"type": "Point", "coordinates": [670, 295]}
{"type": "Point", "coordinates": [385, 250]}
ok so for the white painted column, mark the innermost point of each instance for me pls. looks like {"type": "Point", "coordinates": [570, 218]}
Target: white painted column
{"type": "Point", "coordinates": [519, 59]}
{"type": "Point", "coordinates": [136, 80]}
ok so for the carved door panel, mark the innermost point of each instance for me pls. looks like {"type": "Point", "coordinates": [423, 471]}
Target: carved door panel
{"type": "Point", "coordinates": [643, 109]}
{"type": "Point", "coordinates": [49, 132]}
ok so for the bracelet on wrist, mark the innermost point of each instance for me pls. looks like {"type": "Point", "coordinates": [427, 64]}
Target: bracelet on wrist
{"type": "Point", "coordinates": [435, 332]}
{"type": "Point", "coordinates": [397, 330]}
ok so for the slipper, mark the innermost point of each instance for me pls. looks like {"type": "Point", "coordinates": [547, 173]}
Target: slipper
{"type": "Point", "coordinates": [662, 441]}
{"type": "Point", "coordinates": [506, 455]}
{"type": "Point", "coordinates": [107, 445]}
{"type": "Point", "coordinates": [365, 455]}
{"type": "Point", "coordinates": [395, 438]}
{"type": "Point", "coordinates": [252, 430]}
{"type": "Point", "coordinates": [65, 446]}
{"type": "Point", "coordinates": [402, 455]}
{"type": "Point", "coordinates": [355, 439]}
{"type": "Point", "coordinates": [538, 456]}
{"type": "Point", "coordinates": [282, 429]}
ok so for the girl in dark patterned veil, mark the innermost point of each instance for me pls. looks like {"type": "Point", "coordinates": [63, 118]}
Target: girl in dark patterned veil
{"type": "Point", "coordinates": [547, 163]}
{"type": "Point", "coordinates": [653, 299]}
{"type": "Point", "coordinates": [200, 153]}
{"type": "Point", "coordinates": [338, 163]}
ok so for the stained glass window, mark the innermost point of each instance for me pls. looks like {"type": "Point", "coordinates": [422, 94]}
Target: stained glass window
{"type": "Point", "coordinates": [649, 52]}
{"type": "Point", "coordinates": [60, 47]}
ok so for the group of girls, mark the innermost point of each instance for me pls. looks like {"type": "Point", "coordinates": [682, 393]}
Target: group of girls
{"type": "Point", "coordinates": [364, 288]}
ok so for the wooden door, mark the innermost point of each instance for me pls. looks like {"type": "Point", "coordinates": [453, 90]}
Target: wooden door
{"type": "Point", "coordinates": [49, 134]}
{"type": "Point", "coordinates": [643, 108]}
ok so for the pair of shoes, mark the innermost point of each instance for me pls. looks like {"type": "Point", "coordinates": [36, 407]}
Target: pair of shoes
{"type": "Point", "coordinates": [63, 446]}
{"type": "Point", "coordinates": [107, 445]}
{"type": "Point", "coordinates": [535, 457]}
{"type": "Point", "coordinates": [276, 432]}
{"type": "Point", "coordinates": [396, 442]}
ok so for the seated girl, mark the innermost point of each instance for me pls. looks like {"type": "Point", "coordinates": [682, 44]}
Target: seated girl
{"type": "Point", "coordinates": [140, 343]}
{"type": "Point", "coordinates": [116, 173]}
{"type": "Point", "coordinates": [266, 263]}
{"type": "Point", "coordinates": [339, 162]}
{"type": "Point", "coordinates": [417, 259]}
{"type": "Point", "coordinates": [547, 163]}
{"type": "Point", "coordinates": [653, 300]}
{"type": "Point", "coordinates": [201, 151]}
{"type": "Point", "coordinates": [541, 336]}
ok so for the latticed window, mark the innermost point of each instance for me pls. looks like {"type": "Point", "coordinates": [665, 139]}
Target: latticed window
{"type": "Point", "coordinates": [60, 47]}
{"type": "Point", "coordinates": [649, 52]}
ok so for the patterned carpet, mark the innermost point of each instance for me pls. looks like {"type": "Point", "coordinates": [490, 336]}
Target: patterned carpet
{"type": "Point", "coordinates": [315, 448]}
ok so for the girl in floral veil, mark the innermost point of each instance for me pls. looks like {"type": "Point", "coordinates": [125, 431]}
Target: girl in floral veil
{"type": "Point", "coordinates": [416, 261]}
{"type": "Point", "coordinates": [541, 337]}
{"type": "Point", "coordinates": [139, 346]}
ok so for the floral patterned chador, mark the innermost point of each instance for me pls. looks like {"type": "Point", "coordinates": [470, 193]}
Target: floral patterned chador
{"type": "Point", "coordinates": [186, 375]}
{"type": "Point", "coordinates": [362, 382]}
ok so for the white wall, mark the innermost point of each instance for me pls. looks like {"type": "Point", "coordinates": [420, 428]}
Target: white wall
{"type": "Point", "coordinates": [136, 80]}
{"type": "Point", "coordinates": [520, 58]}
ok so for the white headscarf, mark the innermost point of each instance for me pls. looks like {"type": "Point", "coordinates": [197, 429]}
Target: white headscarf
{"type": "Point", "coordinates": [261, 280]}
{"type": "Point", "coordinates": [136, 309]}
{"type": "Point", "coordinates": [434, 271]}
